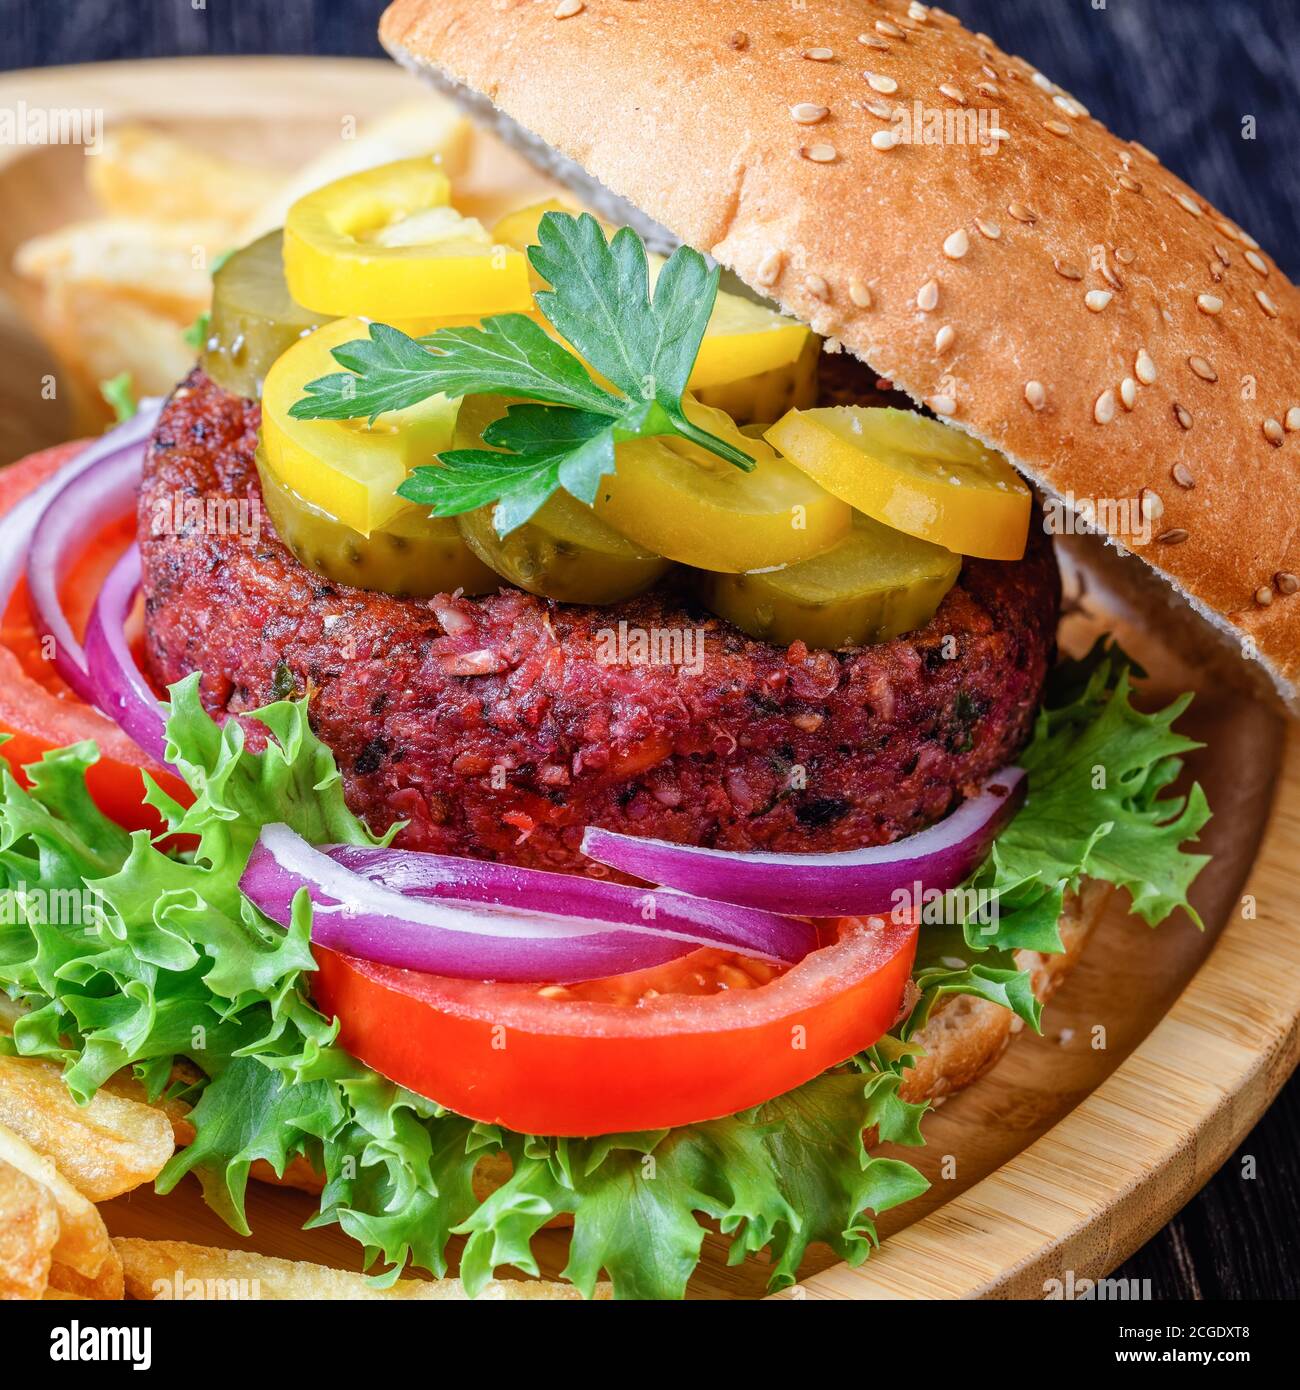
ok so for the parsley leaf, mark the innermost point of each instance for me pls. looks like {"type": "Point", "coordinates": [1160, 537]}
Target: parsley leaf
{"type": "Point", "coordinates": [119, 392]}
{"type": "Point", "coordinates": [564, 435]}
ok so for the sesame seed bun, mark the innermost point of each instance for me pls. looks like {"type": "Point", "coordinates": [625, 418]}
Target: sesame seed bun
{"type": "Point", "coordinates": [1066, 299]}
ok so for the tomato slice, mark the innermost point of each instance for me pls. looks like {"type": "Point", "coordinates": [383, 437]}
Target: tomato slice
{"type": "Point", "coordinates": [705, 1036]}
{"type": "Point", "coordinates": [37, 710]}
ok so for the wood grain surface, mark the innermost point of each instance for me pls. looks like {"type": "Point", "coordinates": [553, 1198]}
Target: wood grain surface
{"type": "Point", "coordinates": [1182, 78]}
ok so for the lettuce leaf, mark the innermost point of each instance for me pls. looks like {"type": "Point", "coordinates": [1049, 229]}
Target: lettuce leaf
{"type": "Point", "coordinates": [164, 961]}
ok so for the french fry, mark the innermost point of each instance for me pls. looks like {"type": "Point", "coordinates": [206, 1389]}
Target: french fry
{"type": "Point", "coordinates": [29, 1230]}
{"type": "Point", "coordinates": [107, 1282]}
{"type": "Point", "coordinates": [143, 173]}
{"type": "Point", "coordinates": [83, 1245]}
{"type": "Point", "coordinates": [433, 125]}
{"type": "Point", "coordinates": [175, 1269]}
{"type": "Point", "coordinates": [160, 266]}
{"type": "Point", "coordinates": [104, 1148]}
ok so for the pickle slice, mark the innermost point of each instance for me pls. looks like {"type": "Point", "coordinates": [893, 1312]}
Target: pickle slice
{"type": "Point", "coordinates": [412, 555]}
{"type": "Point", "coordinates": [679, 500]}
{"type": "Point", "coordinates": [914, 474]}
{"type": "Point", "coordinates": [875, 584]}
{"type": "Point", "coordinates": [254, 318]}
{"type": "Point", "coordinates": [565, 552]}
{"type": "Point", "coordinates": [769, 394]}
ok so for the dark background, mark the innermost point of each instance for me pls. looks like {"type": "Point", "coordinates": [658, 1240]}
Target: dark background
{"type": "Point", "coordinates": [1178, 75]}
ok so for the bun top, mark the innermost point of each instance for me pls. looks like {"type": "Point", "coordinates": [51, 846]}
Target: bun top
{"type": "Point", "coordinates": [950, 215]}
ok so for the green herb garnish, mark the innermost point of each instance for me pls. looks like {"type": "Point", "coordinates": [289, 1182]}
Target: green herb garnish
{"type": "Point", "coordinates": [119, 392]}
{"type": "Point", "coordinates": [565, 433]}
{"type": "Point", "coordinates": [197, 333]}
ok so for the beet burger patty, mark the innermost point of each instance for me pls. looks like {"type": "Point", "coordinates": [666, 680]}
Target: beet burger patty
{"type": "Point", "coordinates": [500, 726]}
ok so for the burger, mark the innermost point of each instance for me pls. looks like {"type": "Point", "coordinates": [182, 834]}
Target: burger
{"type": "Point", "coordinates": [608, 761]}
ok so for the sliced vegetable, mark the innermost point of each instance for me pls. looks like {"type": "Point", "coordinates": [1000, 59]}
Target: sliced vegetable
{"type": "Point", "coordinates": [644, 1056]}
{"type": "Point", "coordinates": [912, 473]}
{"type": "Point", "coordinates": [387, 243]}
{"type": "Point", "coordinates": [475, 920]}
{"type": "Point", "coordinates": [873, 585]}
{"type": "Point", "coordinates": [100, 483]}
{"type": "Point", "coordinates": [676, 499]}
{"type": "Point", "coordinates": [566, 552]}
{"type": "Point", "coordinates": [348, 468]}
{"type": "Point", "coordinates": [254, 317]}
{"type": "Point", "coordinates": [121, 691]}
{"type": "Point", "coordinates": [412, 555]}
{"type": "Point", "coordinates": [856, 881]}
{"type": "Point", "coordinates": [767, 395]}
{"type": "Point", "coordinates": [37, 714]}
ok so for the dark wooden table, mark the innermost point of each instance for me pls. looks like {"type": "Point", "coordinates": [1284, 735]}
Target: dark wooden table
{"type": "Point", "coordinates": [1210, 85]}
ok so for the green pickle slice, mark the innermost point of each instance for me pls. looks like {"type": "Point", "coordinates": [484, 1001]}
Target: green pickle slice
{"type": "Point", "coordinates": [253, 319]}
{"type": "Point", "coordinates": [872, 586]}
{"type": "Point", "coordinates": [566, 552]}
{"type": "Point", "coordinates": [412, 555]}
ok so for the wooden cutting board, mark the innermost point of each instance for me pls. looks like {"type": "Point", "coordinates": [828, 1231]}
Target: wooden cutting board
{"type": "Point", "coordinates": [1158, 1055]}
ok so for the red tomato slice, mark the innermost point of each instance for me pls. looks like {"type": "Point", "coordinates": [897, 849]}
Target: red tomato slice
{"type": "Point", "coordinates": [702, 1037]}
{"type": "Point", "coordinates": [37, 709]}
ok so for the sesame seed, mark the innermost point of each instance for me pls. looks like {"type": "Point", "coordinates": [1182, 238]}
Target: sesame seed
{"type": "Point", "coordinates": [1247, 239]}
{"type": "Point", "coordinates": [881, 82]}
{"type": "Point", "coordinates": [1104, 410]}
{"type": "Point", "coordinates": [956, 245]}
{"type": "Point", "coordinates": [769, 268]}
{"type": "Point", "coordinates": [918, 12]}
{"type": "Point", "coordinates": [1266, 304]}
{"type": "Point", "coordinates": [943, 405]}
{"type": "Point", "coordinates": [1202, 368]}
{"type": "Point", "coordinates": [825, 154]}
{"type": "Point", "coordinates": [1128, 393]}
{"type": "Point", "coordinates": [1287, 583]}
{"type": "Point", "coordinates": [1022, 213]}
{"type": "Point", "coordinates": [1183, 416]}
{"type": "Point", "coordinates": [1125, 255]}
{"type": "Point", "coordinates": [987, 89]}
{"type": "Point", "coordinates": [1183, 476]}
{"type": "Point", "coordinates": [890, 31]}
{"type": "Point", "coordinates": [872, 42]}
{"type": "Point", "coordinates": [1150, 504]}
{"type": "Point", "coordinates": [1227, 229]}
{"type": "Point", "coordinates": [953, 93]}
{"type": "Point", "coordinates": [1185, 202]}
{"type": "Point", "coordinates": [739, 41]}
{"type": "Point", "coordinates": [1293, 419]}
{"type": "Point", "coordinates": [927, 297]}
{"type": "Point", "coordinates": [1144, 152]}
{"type": "Point", "coordinates": [1264, 596]}
{"type": "Point", "coordinates": [1068, 105]}
{"type": "Point", "coordinates": [1044, 84]}
{"type": "Point", "coordinates": [884, 139]}
{"type": "Point", "coordinates": [567, 8]}
{"type": "Point", "coordinates": [1216, 272]}
{"type": "Point", "coordinates": [1035, 394]}
{"type": "Point", "coordinates": [1256, 262]}
{"type": "Point", "coordinates": [1066, 270]}
{"type": "Point", "coordinates": [1273, 433]}
{"type": "Point", "coordinates": [990, 73]}
{"type": "Point", "coordinates": [988, 229]}
{"type": "Point", "coordinates": [1096, 300]}
{"type": "Point", "coordinates": [805, 113]}
{"type": "Point", "coordinates": [1056, 127]}
{"type": "Point", "coordinates": [879, 107]}
{"type": "Point", "coordinates": [860, 293]}
{"type": "Point", "coordinates": [817, 287]}
{"type": "Point", "coordinates": [1129, 182]}
{"type": "Point", "coordinates": [1145, 368]}
{"type": "Point", "coordinates": [1111, 276]}
{"type": "Point", "coordinates": [943, 338]}
{"type": "Point", "coordinates": [819, 55]}
{"type": "Point", "coordinates": [1176, 536]}
{"type": "Point", "coordinates": [1209, 303]}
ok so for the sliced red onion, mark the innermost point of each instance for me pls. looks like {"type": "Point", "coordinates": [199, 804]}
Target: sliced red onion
{"type": "Point", "coordinates": [483, 921]}
{"type": "Point", "coordinates": [93, 489]}
{"type": "Point", "coordinates": [850, 883]}
{"type": "Point", "coordinates": [116, 683]}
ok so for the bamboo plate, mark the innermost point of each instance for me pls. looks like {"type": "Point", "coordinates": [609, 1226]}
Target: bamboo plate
{"type": "Point", "coordinates": [1163, 1047]}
